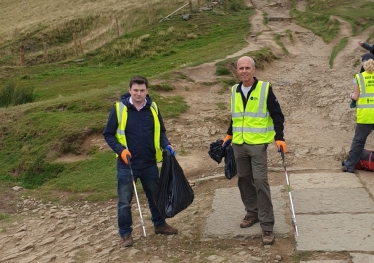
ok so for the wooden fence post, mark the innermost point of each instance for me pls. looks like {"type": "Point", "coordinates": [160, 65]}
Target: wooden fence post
{"type": "Point", "coordinates": [22, 55]}
{"type": "Point", "coordinates": [80, 47]}
{"type": "Point", "coordinates": [45, 55]}
{"type": "Point", "coordinates": [75, 44]}
{"type": "Point", "coordinates": [198, 4]}
{"type": "Point", "coordinates": [190, 3]}
{"type": "Point", "coordinates": [117, 26]}
{"type": "Point", "coordinates": [149, 14]}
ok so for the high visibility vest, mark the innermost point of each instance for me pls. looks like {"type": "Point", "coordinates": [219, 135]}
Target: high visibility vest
{"type": "Point", "coordinates": [365, 103]}
{"type": "Point", "coordinates": [121, 111]}
{"type": "Point", "coordinates": [252, 125]}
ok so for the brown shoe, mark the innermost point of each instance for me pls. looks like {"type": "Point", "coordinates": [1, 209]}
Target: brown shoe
{"type": "Point", "coordinates": [248, 221]}
{"type": "Point", "coordinates": [268, 237]}
{"type": "Point", "coordinates": [166, 230]}
{"type": "Point", "coordinates": [126, 241]}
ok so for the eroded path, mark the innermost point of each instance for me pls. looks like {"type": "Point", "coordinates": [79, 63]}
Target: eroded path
{"type": "Point", "coordinates": [318, 130]}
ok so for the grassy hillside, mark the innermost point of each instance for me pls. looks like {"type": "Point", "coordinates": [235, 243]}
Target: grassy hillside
{"type": "Point", "coordinates": [73, 97]}
{"type": "Point", "coordinates": [73, 93]}
{"type": "Point", "coordinates": [318, 16]}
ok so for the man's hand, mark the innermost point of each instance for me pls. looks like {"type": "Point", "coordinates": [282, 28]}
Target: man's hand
{"type": "Point", "coordinates": [171, 150]}
{"type": "Point", "coordinates": [281, 146]}
{"type": "Point", "coordinates": [227, 140]}
{"type": "Point", "coordinates": [124, 154]}
{"type": "Point", "coordinates": [360, 43]}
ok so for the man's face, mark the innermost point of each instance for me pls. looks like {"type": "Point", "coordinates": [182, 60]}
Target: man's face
{"type": "Point", "coordinates": [138, 92]}
{"type": "Point", "coordinates": [245, 69]}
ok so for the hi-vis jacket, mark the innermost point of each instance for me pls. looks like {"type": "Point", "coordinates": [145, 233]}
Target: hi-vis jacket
{"type": "Point", "coordinates": [251, 123]}
{"type": "Point", "coordinates": [121, 111]}
{"type": "Point", "coordinates": [142, 132]}
{"type": "Point", "coordinates": [271, 111]}
{"type": "Point", "coordinates": [365, 103]}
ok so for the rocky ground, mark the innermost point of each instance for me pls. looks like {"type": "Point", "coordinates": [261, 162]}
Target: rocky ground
{"type": "Point", "coordinates": [318, 130]}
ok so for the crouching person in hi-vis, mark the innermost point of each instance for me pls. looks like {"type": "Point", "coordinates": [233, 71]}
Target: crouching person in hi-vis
{"type": "Point", "coordinates": [135, 130]}
{"type": "Point", "coordinates": [256, 120]}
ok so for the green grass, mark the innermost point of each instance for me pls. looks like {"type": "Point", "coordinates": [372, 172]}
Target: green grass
{"type": "Point", "coordinates": [340, 46]}
{"type": "Point", "coordinates": [277, 39]}
{"type": "Point", "coordinates": [318, 13]}
{"type": "Point", "coordinates": [319, 23]}
{"type": "Point", "coordinates": [73, 99]}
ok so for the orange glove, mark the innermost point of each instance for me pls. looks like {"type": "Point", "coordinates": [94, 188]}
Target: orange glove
{"type": "Point", "coordinates": [227, 140]}
{"type": "Point", "coordinates": [124, 154]}
{"type": "Point", "coordinates": [281, 145]}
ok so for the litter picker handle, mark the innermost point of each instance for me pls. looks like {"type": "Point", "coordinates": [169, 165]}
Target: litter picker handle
{"type": "Point", "coordinates": [289, 192]}
{"type": "Point", "coordinates": [136, 195]}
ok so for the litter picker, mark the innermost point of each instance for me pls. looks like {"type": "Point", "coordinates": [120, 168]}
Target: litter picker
{"type": "Point", "coordinates": [289, 191]}
{"type": "Point", "coordinates": [137, 198]}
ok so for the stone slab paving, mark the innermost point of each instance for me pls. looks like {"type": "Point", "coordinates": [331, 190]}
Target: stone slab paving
{"type": "Point", "coordinates": [332, 200]}
{"type": "Point", "coordinates": [367, 179]}
{"type": "Point", "coordinates": [228, 211]}
{"type": "Point", "coordinates": [334, 212]}
{"type": "Point", "coordinates": [326, 261]}
{"type": "Point", "coordinates": [362, 258]}
{"type": "Point", "coordinates": [323, 180]}
{"type": "Point", "coordinates": [335, 232]}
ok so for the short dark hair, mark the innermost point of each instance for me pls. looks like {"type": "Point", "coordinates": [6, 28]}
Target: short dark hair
{"type": "Point", "coordinates": [138, 80]}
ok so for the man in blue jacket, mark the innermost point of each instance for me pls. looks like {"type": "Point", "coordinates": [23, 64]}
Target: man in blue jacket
{"type": "Point", "coordinates": [135, 130]}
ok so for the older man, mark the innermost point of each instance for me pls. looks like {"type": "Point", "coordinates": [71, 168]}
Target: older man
{"type": "Point", "coordinates": [256, 120]}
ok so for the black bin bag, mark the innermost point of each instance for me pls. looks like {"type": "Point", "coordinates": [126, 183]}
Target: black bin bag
{"type": "Point", "coordinates": [175, 193]}
{"type": "Point", "coordinates": [230, 164]}
{"type": "Point", "coordinates": [216, 151]}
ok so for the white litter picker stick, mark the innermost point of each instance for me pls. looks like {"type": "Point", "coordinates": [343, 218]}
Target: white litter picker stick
{"type": "Point", "coordinates": [137, 198]}
{"type": "Point", "coordinates": [289, 192]}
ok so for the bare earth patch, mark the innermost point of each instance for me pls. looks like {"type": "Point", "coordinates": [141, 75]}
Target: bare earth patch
{"type": "Point", "coordinates": [318, 130]}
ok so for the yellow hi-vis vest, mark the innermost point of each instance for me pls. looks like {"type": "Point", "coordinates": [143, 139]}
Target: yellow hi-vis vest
{"type": "Point", "coordinates": [252, 125]}
{"type": "Point", "coordinates": [365, 103]}
{"type": "Point", "coordinates": [121, 111]}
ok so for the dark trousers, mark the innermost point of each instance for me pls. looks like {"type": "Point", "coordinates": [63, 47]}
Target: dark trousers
{"type": "Point", "coordinates": [251, 162]}
{"type": "Point", "coordinates": [358, 144]}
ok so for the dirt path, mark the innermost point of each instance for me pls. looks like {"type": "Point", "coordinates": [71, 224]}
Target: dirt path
{"type": "Point", "coordinates": [318, 130]}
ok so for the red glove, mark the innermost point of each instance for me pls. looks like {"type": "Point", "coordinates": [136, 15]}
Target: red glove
{"type": "Point", "coordinates": [227, 140]}
{"type": "Point", "coordinates": [124, 154]}
{"type": "Point", "coordinates": [281, 145]}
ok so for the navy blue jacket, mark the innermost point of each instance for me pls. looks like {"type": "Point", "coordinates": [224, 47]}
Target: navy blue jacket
{"type": "Point", "coordinates": [139, 134]}
{"type": "Point", "coordinates": [273, 108]}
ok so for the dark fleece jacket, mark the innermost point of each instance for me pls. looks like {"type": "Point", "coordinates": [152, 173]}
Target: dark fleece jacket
{"type": "Point", "coordinates": [139, 134]}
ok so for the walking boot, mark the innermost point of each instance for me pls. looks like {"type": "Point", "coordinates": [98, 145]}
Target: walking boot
{"type": "Point", "coordinates": [166, 230]}
{"type": "Point", "coordinates": [126, 241]}
{"type": "Point", "coordinates": [268, 237]}
{"type": "Point", "coordinates": [248, 221]}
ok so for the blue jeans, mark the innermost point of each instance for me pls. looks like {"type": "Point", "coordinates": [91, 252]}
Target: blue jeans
{"type": "Point", "coordinates": [125, 189]}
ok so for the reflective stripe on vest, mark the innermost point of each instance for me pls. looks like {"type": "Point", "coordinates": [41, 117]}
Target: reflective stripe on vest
{"type": "Point", "coordinates": [121, 111]}
{"type": "Point", "coordinates": [252, 125]}
{"type": "Point", "coordinates": [365, 103]}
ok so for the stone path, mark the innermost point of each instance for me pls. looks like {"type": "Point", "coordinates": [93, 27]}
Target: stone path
{"type": "Point", "coordinates": [334, 213]}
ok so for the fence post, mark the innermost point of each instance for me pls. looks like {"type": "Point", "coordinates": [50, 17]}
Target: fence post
{"type": "Point", "coordinates": [149, 14]}
{"type": "Point", "coordinates": [117, 26]}
{"type": "Point", "coordinates": [198, 4]}
{"type": "Point", "coordinates": [75, 44]}
{"type": "Point", "coordinates": [45, 55]}
{"type": "Point", "coordinates": [80, 47]}
{"type": "Point", "coordinates": [190, 3]}
{"type": "Point", "coordinates": [22, 55]}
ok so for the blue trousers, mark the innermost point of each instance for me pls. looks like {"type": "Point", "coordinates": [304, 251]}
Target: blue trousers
{"type": "Point", "coordinates": [149, 178]}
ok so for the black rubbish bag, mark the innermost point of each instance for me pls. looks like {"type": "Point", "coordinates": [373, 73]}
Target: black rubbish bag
{"type": "Point", "coordinates": [216, 151]}
{"type": "Point", "coordinates": [230, 164]}
{"type": "Point", "coordinates": [174, 193]}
